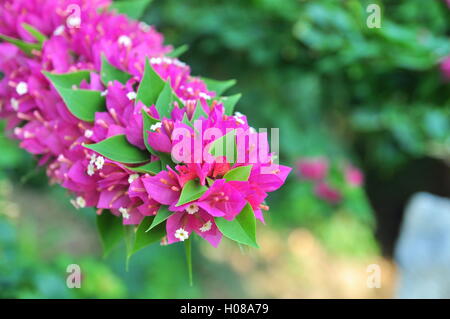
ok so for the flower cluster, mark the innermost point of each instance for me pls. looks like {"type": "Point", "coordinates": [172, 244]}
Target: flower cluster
{"type": "Point", "coordinates": [316, 169]}
{"type": "Point", "coordinates": [120, 122]}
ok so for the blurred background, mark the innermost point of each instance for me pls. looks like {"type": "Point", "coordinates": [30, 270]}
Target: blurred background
{"type": "Point", "coordinates": [364, 118]}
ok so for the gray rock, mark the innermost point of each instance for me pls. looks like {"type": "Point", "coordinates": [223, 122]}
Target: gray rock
{"type": "Point", "coordinates": [423, 250]}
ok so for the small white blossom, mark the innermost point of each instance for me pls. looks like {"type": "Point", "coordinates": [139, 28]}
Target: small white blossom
{"type": "Point", "coordinates": [59, 30]}
{"type": "Point", "coordinates": [155, 60]}
{"type": "Point", "coordinates": [88, 133]}
{"type": "Point", "coordinates": [132, 178]}
{"type": "Point", "coordinates": [99, 162]}
{"type": "Point", "coordinates": [104, 93]}
{"type": "Point", "coordinates": [124, 212]}
{"type": "Point", "coordinates": [81, 202]}
{"type": "Point", "coordinates": [239, 120]}
{"type": "Point", "coordinates": [192, 209]}
{"type": "Point", "coordinates": [74, 21]}
{"type": "Point", "coordinates": [14, 104]}
{"type": "Point", "coordinates": [206, 226]}
{"type": "Point", "coordinates": [131, 95]}
{"type": "Point", "coordinates": [90, 169]}
{"type": "Point", "coordinates": [156, 126]}
{"type": "Point", "coordinates": [144, 26]}
{"type": "Point", "coordinates": [22, 88]}
{"type": "Point", "coordinates": [93, 158]}
{"type": "Point", "coordinates": [181, 234]}
{"type": "Point", "coordinates": [125, 40]}
{"type": "Point", "coordinates": [27, 134]}
{"type": "Point", "coordinates": [204, 96]}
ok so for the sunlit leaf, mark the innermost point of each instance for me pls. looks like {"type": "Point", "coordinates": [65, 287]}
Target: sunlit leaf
{"type": "Point", "coordinates": [161, 216]}
{"type": "Point", "coordinates": [240, 173]}
{"type": "Point", "coordinates": [117, 148]}
{"type": "Point", "coordinates": [241, 229]}
{"type": "Point", "coordinates": [26, 47]}
{"type": "Point", "coordinates": [192, 190]}
{"type": "Point", "coordinates": [38, 35]}
{"type": "Point", "coordinates": [110, 73]}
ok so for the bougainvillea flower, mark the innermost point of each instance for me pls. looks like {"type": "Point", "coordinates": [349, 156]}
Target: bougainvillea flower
{"type": "Point", "coordinates": [80, 97]}
{"type": "Point", "coordinates": [313, 168]}
{"type": "Point", "coordinates": [445, 68]}
{"type": "Point", "coordinates": [163, 187]}
{"type": "Point", "coordinates": [222, 200]}
{"type": "Point", "coordinates": [180, 225]}
{"type": "Point", "coordinates": [326, 192]}
{"type": "Point", "coordinates": [354, 176]}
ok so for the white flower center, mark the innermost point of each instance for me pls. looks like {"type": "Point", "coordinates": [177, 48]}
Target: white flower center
{"type": "Point", "coordinates": [131, 96]}
{"type": "Point", "coordinates": [88, 133]}
{"type": "Point", "coordinates": [132, 178]}
{"type": "Point", "coordinates": [239, 120]}
{"type": "Point", "coordinates": [99, 162]}
{"type": "Point", "coordinates": [124, 40]}
{"type": "Point", "coordinates": [124, 212]}
{"type": "Point", "coordinates": [144, 26]}
{"type": "Point", "coordinates": [192, 209]}
{"type": "Point", "coordinates": [90, 169]}
{"type": "Point", "coordinates": [206, 226]}
{"type": "Point", "coordinates": [14, 104]}
{"type": "Point", "coordinates": [74, 22]}
{"type": "Point", "coordinates": [156, 126]}
{"type": "Point", "coordinates": [181, 234]}
{"type": "Point", "coordinates": [22, 88]}
{"type": "Point", "coordinates": [59, 30]}
{"type": "Point", "coordinates": [81, 202]}
{"type": "Point", "coordinates": [204, 96]}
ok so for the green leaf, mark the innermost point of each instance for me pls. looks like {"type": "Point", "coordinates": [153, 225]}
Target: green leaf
{"type": "Point", "coordinates": [151, 168]}
{"type": "Point", "coordinates": [188, 250]}
{"type": "Point", "coordinates": [178, 51]}
{"type": "Point", "coordinates": [144, 237]}
{"type": "Point", "coordinates": [117, 148]}
{"type": "Point", "coordinates": [38, 35]}
{"type": "Point", "coordinates": [130, 237]}
{"type": "Point", "coordinates": [241, 229]}
{"type": "Point", "coordinates": [110, 230]}
{"type": "Point", "coordinates": [132, 8]}
{"type": "Point", "coordinates": [225, 146]}
{"type": "Point", "coordinates": [150, 87]}
{"type": "Point", "coordinates": [26, 47]}
{"type": "Point", "coordinates": [240, 173]}
{"type": "Point", "coordinates": [83, 104]}
{"type": "Point", "coordinates": [230, 102]}
{"type": "Point", "coordinates": [68, 80]}
{"type": "Point", "coordinates": [110, 73]}
{"type": "Point", "coordinates": [199, 111]}
{"type": "Point", "coordinates": [192, 190]}
{"type": "Point", "coordinates": [147, 122]}
{"type": "Point", "coordinates": [218, 86]}
{"type": "Point", "coordinates": [161, 216]}
{"type": "Point", "coordinates": [186, 121]}
{"type": "Point", "coordinates": [164, 103]}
